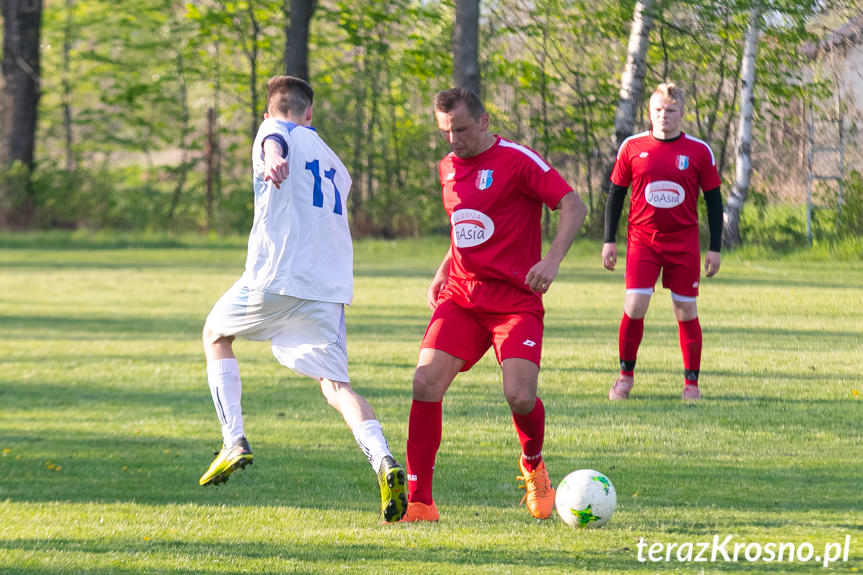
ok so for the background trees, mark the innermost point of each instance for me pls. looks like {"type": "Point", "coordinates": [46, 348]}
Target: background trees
{"type": "Point", "coordinates": [149, 107]}
{"type": "Point", "coordinates": [19, 101]}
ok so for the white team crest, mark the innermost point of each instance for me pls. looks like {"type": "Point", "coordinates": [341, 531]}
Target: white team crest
{"type": "Point", "coordinates": [682, 162]}
{"type": "Point", "coordinates": [470, 228]}
{"type": "Point", "coordinates": [664, 194]}
{"type": "Point", "coordinates": [483, 179]}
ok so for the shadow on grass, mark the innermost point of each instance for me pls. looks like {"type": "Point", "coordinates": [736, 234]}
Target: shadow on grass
{"type": "Point", "coordinates": [378, 553]}
{"type": "Point", "coordinates": [117, 326]}
{"type": "Point", "coordinates": [387, 323]}
{"type": "Point", "coordinates": [336, 556]}
{"type": "Point", "coordinates": [781, 339]}
{"type": "Point", "coordinates": [165, 469]}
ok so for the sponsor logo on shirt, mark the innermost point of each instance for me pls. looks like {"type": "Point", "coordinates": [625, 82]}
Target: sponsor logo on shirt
{"type": "Point", "coordinates": [682, 162]}
{"type": "Point", "coordinates": [643, 155]}
{"type": "Point", "coordinates": [450, 176]}
{"type": "Point", "coordinates": [483, 179]}
{"type": "Point", "coordinates": [529, 343]}
{"type": "Point", "coordinates": [664, 194]}
{"type": "Point", "coordinates": [470, 228]}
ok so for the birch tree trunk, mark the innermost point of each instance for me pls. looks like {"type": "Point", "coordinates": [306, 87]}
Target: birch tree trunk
{"type": "Point", "coordinates": [743, 171]}
{"type": "Point", "coordinates": [631, 80]}
{"type": "Point", "coordinates": [465, 45]}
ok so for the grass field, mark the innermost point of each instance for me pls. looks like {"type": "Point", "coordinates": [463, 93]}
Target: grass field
{"type": "Point", "coordinates": [106, 423]}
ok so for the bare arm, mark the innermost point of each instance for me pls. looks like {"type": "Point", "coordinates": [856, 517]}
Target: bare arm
{"type": "Point", "coordinates": [275, 165]}
{"type": "Point", "coordinates": [572, 214]}
{"type": "Point", "coordinates": [439, 280]}
{"type": "Point", "coordinates": [613, 209]}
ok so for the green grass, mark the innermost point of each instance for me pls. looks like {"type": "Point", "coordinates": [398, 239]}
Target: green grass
{"type": "Point", "coordinates": [106, 421]}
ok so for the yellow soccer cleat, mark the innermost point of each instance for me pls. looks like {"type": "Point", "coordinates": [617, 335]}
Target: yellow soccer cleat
{"type": "Point", "coordinates": [227, 460]}
{"type": "Point", "coordinates": [394, 500]}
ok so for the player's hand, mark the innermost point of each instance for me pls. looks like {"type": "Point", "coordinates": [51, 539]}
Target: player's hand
{"type": "Point", "coordinates": [540, 276]}
{"type": "Point", "coordinates": [609, 255]}
{"type": "Point", "coordinates": [711, 263]}
{"type": "Point", "coordinates": [434, 291]}
{"type": "Point", "coordinates": [276, 169]}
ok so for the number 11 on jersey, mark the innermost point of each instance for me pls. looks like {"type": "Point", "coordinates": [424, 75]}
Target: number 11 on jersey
{"type": "Point", "coordinates": [318, 194]}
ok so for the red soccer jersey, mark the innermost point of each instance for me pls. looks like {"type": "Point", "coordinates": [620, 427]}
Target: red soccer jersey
{"type": "Point", "coordinates": [665, 178]}
{"type": "Point", "coordinates": [494, 201]}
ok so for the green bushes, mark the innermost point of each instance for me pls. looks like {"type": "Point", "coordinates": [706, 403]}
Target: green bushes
{"type": "Point", "coordinates": [850, 214]}
{"type": "Point", "coordinates": [131, 198]}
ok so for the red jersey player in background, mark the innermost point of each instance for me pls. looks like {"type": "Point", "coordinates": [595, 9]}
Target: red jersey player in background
{"type": "Point", "coordinates": [488, 290]}
{"type": "Point", "coordinates": [666, 168]}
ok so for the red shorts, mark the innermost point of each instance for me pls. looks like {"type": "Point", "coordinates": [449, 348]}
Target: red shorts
{"type": "Point", "coordinates": [473, 316]}
{"type": "Point", "coordinates": [677, 255]}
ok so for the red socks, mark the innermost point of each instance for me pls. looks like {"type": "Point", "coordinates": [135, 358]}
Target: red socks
{"type": "Point", "coordinates": [628, 340]}
{"type": "Point", "coordinates": [690, 346]}
{"type": "Point", "coordinates": [424, 435]}
{"type": "Point", "coordinates": [531, 434]}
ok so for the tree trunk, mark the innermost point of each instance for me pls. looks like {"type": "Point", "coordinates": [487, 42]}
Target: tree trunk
{"type": "Point", "coordinates": [20, 97]}
{"type": "Point", "coordinates": [743, 173]}
{"type": "Point", "coordinates": [631, 80]}
{"type": "Point", "coordinates": [465, 45]}
{"type": "Point", "coordinates": [297, 38]}
{"type": "Point", "coordinates": [257, 116]}
{"type": "Point", "coordinates": [185, 164]}
{"type": "Point", "coordinates": [211, 152]}
{"type": "Point", "coordinates": [67, 89]}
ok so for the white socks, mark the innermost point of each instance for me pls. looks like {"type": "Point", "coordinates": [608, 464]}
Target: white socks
{"type": "Point", "coordinates": [370, 438]}
{"type": "Point", "coordinates": [223, 376]}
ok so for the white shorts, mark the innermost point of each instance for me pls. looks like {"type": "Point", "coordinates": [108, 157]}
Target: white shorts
{"type": "Point", "coordinates": [307, 336]}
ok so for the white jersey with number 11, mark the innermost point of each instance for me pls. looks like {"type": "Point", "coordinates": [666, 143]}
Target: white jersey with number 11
{"type": "Point", "coordinates": [300, 243]}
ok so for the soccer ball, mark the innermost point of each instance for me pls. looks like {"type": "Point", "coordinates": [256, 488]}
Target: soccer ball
{"type": "Point", "coordinates": [585, 498]}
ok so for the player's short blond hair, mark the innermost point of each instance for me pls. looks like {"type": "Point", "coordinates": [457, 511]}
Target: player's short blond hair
{"type": "Point", "coordinates": [671, 91]}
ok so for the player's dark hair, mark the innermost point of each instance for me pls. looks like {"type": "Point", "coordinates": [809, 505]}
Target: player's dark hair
{"type": "Point", "coordinates": [446, 100]}
{"type": "Point", "coordinates": [289, 95]}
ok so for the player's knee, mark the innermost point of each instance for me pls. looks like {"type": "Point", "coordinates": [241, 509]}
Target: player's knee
{"type": "Point", "coordinates": [520, 401]}
{"type": "Point", "coordinates": [427, 387]}
{"type": "Point", "coordinates": [421, 379]}
{"type": "Point", "coordinates": [331, 389]}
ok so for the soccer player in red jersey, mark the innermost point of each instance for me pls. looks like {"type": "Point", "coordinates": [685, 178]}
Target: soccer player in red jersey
{"type": "Point", "coordinates": [666, 168]}
{"type": "Point", "coordinates": [488, 290]}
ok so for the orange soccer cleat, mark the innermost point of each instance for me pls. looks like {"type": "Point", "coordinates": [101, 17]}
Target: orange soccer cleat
{"type": "Point", "coordinates": [540, 494]}
{"type": "Point", "coordinates": [420, 512]}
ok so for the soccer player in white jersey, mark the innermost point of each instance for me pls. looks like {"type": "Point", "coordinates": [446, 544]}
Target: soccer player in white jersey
{"type": "Point", "coordinates": [297, 280]}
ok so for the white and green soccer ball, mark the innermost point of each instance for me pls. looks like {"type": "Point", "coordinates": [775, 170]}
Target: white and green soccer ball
{"type": "Point", "coordinates": [585, 498]}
